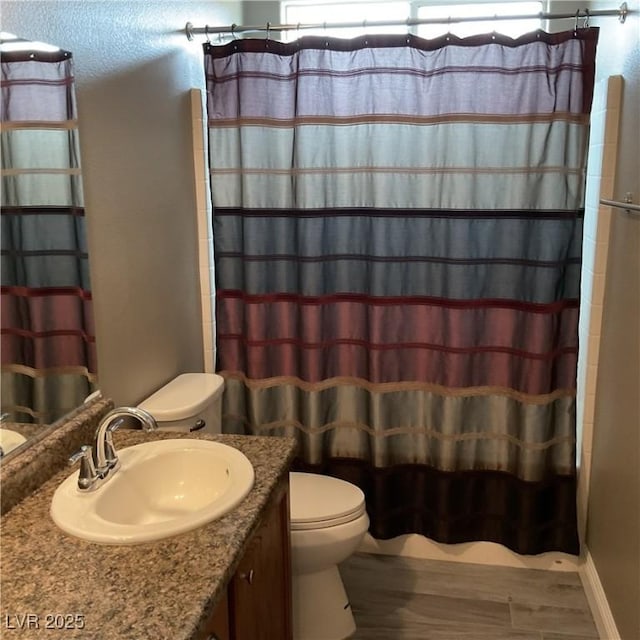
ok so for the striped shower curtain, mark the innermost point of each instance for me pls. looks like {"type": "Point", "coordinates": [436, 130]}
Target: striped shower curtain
{"type": "Point", "coordinates": [48, 344]}
{"type": "Point", "coordinates": [397, 240]}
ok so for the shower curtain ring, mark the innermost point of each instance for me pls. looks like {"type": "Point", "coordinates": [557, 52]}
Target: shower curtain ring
{"type": "Point", "coordinates": [575, 24]}
{"type": "Point", "coordinates": [268, 29]}
{"type": "Point", "coordinates": [206, 33]}
{"type": "Point", "coordinates": [233, 30]}
{"type": "Point", "coordinates": [586, 19]}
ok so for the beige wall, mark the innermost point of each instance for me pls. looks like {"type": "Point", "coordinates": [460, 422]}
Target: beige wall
{"type": "Point", "coordinates": [134, 68]}
{"type": "Point", "coordinates": [613, 525]}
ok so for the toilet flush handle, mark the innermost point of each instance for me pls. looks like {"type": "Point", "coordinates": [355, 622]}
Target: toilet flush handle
{"type": "Point", "coordinates": [200, 424]}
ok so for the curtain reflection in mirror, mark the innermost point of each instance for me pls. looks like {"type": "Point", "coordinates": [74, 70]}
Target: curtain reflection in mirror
{"type": "Point", "coordinates": [48, 343]}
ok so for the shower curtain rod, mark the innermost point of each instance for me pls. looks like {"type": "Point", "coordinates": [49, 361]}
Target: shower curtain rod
{"type": "Point", "coordinates": [622, 11]}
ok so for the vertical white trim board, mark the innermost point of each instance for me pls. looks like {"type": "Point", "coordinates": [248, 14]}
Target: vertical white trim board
{"type": "Point", "coordinates": [597, 599]}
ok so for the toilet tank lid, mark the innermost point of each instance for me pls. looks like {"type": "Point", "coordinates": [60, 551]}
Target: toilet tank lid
{"type": "Point", "coordinates": [184, 397]}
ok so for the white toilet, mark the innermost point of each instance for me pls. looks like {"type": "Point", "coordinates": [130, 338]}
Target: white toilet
{"type": "Point", "coordinates": [328, 522]}
{"type": "Point", "coordinates": [190, 402]}
{"type": "Point", "coordinates": [328, 516]}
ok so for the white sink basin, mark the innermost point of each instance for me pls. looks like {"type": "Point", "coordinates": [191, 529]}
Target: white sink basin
{"type": "Point", "coordinates": [9, 440]}
{"type": "Point", "coordinates": [162, 488]}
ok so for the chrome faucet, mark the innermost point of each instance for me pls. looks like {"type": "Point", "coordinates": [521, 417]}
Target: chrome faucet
{"type": "Point", "coordinates": [97, 465]}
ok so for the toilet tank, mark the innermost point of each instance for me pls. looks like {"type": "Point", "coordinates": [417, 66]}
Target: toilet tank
{"type": "Point", "coordinates": [190, 402]}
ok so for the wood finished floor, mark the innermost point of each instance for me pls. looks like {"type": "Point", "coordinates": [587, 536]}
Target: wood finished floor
{"type": "Point", "coordinates": [396, 598]}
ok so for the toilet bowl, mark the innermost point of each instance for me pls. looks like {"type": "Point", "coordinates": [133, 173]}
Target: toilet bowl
{"type": "Point", "coordinates": [328, 522]}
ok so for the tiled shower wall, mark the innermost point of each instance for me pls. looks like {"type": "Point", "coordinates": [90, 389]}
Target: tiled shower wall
{"type": "Point", "coordinates": [601, 171]}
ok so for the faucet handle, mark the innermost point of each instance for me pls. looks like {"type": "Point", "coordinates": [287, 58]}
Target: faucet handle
{"type": "Point", "coordinates": [110, 456]}
{"type": "Point", "coordinates": [88, 474]}
{"type": "Point", "coordinates": [110, 462]}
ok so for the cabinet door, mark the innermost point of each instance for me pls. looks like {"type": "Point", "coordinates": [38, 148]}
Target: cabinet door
{"type": "Point", "coordinates": [217, 628]}
{"type": "Point", "coordinates": [260, 591]}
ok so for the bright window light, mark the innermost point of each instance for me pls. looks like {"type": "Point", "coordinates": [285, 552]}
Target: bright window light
{"type": "Point", "coordinates": [321, 12]}
{"type": "Point", "coordinates": [11, 42]}
{"type": "Point", "coordinates": [512, 28]}
{"type": "Point", "coordinates": [318, 12]}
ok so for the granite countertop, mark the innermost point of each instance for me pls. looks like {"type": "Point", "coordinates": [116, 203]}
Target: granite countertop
{"type": "Point", "coordinates": [162, 590]}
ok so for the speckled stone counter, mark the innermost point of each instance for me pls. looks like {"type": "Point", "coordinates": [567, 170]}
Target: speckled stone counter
{"type": "Point", "coordinates": [21, 472]}
{"type": "Point", "coordinates": [161, 590]}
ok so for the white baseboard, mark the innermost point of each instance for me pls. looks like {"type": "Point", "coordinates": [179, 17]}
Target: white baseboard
{"type": "Point", "coordinates": [488, 553]}
{"type": "Point", "coordinates": [597, 599]}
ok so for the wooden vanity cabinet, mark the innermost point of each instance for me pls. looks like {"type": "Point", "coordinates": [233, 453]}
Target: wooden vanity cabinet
{"type": "Point", "coordinates": [257, 605]}
{"type": "Point", "coordinates": [217, 627]}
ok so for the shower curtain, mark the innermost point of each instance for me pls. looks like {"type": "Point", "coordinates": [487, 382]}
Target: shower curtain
{"type": "Point", "coordinates": [48, 344]}
{"type": "Point", "coordinates": [397, 238]}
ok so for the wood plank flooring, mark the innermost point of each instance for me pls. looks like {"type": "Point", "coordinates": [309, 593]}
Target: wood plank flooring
{"type": "Point", "coordinates": [396, 598]}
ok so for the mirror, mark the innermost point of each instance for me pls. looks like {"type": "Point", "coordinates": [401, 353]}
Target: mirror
{"type": "Point", "coordinates": [48, 343]}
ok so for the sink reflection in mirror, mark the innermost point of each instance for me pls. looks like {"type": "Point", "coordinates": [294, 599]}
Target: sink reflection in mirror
{"type": "Point", "coordinates": [48, 344]}
{"type": "Point", "coordinates": [9, 440]}
{"type": "Point", "coordinates": [162, 488]}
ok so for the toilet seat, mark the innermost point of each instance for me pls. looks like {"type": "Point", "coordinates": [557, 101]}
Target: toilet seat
{"type": "Point", "coordinates": [318, 502]}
